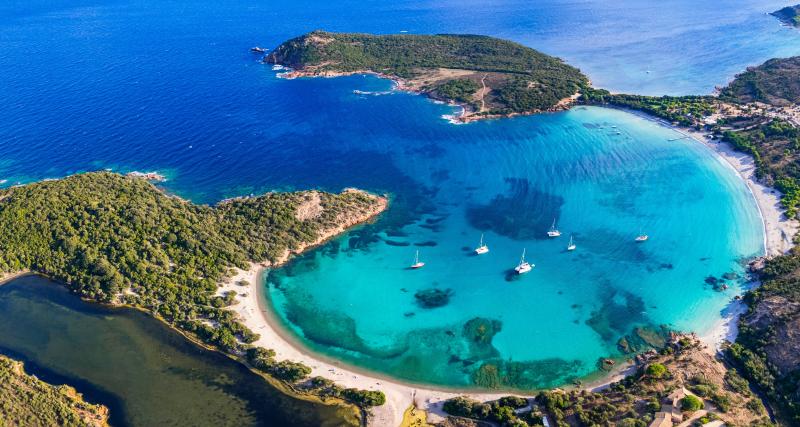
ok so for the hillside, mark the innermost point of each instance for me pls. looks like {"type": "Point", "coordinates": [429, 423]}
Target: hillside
{"type": "Point", "coordinates": [775, 82]}
{"type": "Point", "coordinates": [489, 76]}
{"type": "Point", "coordinates": [767, 350]}
{"type": "Point", "coordinates": [27, 401]}
{"type": "Point", "coordinates": [683, 368]}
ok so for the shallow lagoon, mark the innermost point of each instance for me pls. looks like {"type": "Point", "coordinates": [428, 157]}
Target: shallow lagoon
{"type": "Point", "coordinates": [144, 372]}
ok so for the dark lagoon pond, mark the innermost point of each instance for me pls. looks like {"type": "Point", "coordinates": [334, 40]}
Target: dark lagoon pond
{"type": "Point", "coordinates": [146, 373]}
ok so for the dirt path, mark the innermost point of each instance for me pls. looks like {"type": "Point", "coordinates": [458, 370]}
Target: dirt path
{"type": "Point", "coordinates": [483, 92]}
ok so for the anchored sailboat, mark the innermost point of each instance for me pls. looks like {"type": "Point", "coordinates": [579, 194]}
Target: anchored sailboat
{"type": "Point", "coordinates": [571, 246]}
{"type": "Point", "coordinates": [553, 230]}
{"type": "Point", "coordinates": [482, 248]}
{"type": "Point", "coordinates": [417, 263]}
{"type": "Point", "coordinates": [642, 237]}
{"type": "Point", "coordinates": [523, 266]}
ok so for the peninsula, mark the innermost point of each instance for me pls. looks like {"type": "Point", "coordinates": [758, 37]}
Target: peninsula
{"type": "Point", "coordinates": [120, 240]}
{"type": "Point", "coordinates": [488, 77]}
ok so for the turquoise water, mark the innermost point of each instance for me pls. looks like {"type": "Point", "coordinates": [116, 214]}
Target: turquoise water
{"type": "Point", "coordinates": [603, 175]}
{"type": "Point", "coordinates": [170, 86]}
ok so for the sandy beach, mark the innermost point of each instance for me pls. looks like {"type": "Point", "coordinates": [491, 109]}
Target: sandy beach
{"type": "Point", "coordinates": [779, 231]}
{"type": "Point", "coordinates": [252, 311]}
{"type": "Point", "coordinates": [250, 306]}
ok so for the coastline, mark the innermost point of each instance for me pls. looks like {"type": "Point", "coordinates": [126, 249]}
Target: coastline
{"type": "Point", "coordinates": [252, 308]}
{"type": "Point", "coordinates": [779, 231]}
{"type": "Point", "coordinates": [466, 115]}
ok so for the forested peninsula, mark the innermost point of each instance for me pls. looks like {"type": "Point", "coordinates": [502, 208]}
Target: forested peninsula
{"type": "Point", "coordinates": [120, 240]}
{"type": "Point", "coordinates": [28, 401]}
{"type": "Point", "coordinates": [489, 77]}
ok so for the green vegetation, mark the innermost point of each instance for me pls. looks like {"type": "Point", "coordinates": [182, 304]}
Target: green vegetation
{"type": "Point", "coordinates": [501, 411]}
{"type": "Point", "coordinates": [775, 147]}
{"type": "Point", "coordinates": [656, 370]}
{"type": "Point", "coordinates": [681, 110]}
{"type": "Point", "coordinates": [691, 403]}
{"type": "Point", "coordinates": [117, 239]}
{"type": "Point", "coordinates": [775, 82]}
{"type": "Point", "coordinates": [789, 15]}
{"type": "Point", "coordinates": [634, 400]}
{"type": "Point", "coordinates": [766, 351]}
{"type": "Point", "coordinates": [27, 401]}
{"type": "Point", "coordinates": [327, 388]}
{"type": "Point", "coordinates": [459, 90]}
{"type": "Point", "coordinates": [450, 67]}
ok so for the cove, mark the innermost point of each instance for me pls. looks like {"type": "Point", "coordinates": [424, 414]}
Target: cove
{"type": "Point", "coordinates": [144, 372]}
{"type": "Point", "coordinates": [468, 321]}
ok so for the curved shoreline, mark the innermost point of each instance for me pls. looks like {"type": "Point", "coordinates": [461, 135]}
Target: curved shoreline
{"type": "Point", "coordinates": [779, 230]}
{"type": "Point", "coordinates": [255, 312]}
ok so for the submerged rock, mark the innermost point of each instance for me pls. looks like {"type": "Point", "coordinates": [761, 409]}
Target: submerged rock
{"type": "Point", "coordinates": [644, 338]}
{"type": "Point", "coordinates": [433, 298]}
{"type": "Point", "coordinates": [730, 276]}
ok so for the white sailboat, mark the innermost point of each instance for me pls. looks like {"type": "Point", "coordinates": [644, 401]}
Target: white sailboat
{"type": "Point", "coordinates": [417, 263]}
{"type": "Point", "coordinates": [641, 237]}
{"type": "Point", "coordinates": [482, 248]}
{"type": "Point", "coordinates": [523, 266]}
{"type": "Point", "coordinates": [571, 246]}
{"type": "Point", "coordinates": [553, 230]}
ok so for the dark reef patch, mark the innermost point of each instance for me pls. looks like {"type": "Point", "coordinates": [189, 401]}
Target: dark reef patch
{"type": "Point", "coordinates": [436, 220]}
{"type": "Point", "coordinates": [643, 338]}
{"type": "Point", "coordinates": [618, 313]}
{"type": "Point", "coordinates": [528, 375]}
{"type": "Point", "coordinates": [479, 332]}
{"type": "Point", "coordinates": [396, 243]}
{"type": "Point", "coordinates": [523, 213]}
{"type": "Point", "coordinates": [426, 243]}
{"type": "Point", "coordinates": [334, 329]}
{"type": "Point", "coordinates": [331, 249]}
{"type": "Point", "coordinates": [396, 233]}
{"type": "Point", "coordinates": [361, 239]}
{"type": "Point", "coordinates": [433, 298]}
{"type": "Point", "coordinates": [730, 276]}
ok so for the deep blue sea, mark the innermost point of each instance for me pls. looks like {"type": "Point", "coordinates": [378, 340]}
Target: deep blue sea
{"type": "Point", "coordinates": [171, 86]}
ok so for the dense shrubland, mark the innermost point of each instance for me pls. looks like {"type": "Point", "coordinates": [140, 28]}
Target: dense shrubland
{"type": "Point", "coordinates": [115, 239]}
